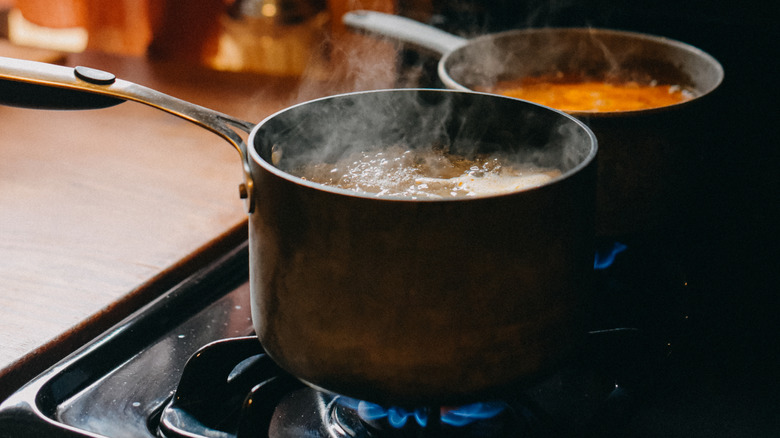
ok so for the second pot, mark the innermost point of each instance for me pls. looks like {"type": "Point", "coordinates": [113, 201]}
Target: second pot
{"type": "Point", "coordinates": [647, 171]}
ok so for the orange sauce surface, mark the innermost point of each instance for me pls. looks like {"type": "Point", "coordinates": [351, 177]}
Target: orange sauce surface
{"type": "Point", "coordinates": [592, 96]}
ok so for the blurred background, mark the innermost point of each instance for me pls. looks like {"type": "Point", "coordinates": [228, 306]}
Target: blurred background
{"type": "Point", "coordinates": [738, 220]}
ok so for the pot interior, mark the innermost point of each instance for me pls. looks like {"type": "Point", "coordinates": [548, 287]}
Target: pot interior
{"type": "Point", "coordinates": [461, 123]}
{"type": "Point", "coordinates": [581, 53]}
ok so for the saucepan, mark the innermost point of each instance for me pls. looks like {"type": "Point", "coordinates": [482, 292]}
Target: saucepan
{"type": "Point", "coordinates": [394, 300]}
{"type": "Point", "coordinates": [646, 171]}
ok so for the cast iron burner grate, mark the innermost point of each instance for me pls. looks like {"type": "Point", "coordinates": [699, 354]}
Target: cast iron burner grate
{"type": "Point", "coordinates": [119, 384]}
{"type": "Point", "coordinates": [231, 388]}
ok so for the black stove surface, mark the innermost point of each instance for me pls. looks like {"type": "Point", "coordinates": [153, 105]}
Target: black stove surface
{"type": "Point", "coordinates": [231, 388]}
{"type": "Point", "coordinates": [109, 387]}
{"type": "Point", "coordinates": [188, 365]}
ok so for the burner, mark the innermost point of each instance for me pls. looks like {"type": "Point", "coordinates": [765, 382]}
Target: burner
{"type": "Point", "coordinates": [605, 255]}
{"type": "Point", "coordinates": [150, 376]}
{"type": "Point", "coordinates": [654, 379]}
{"type": "Point", "coordinates": [228, 388]}
{"type": "Point", "coordinates": [231, 388]}
{"type": "Point", "coordinates": [352, 418]}
{"type": "Point", "coordinates": [398, 418]}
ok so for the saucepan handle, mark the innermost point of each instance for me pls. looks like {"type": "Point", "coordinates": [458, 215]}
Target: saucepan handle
{"type": "Point", "coordinates": [404, 29]}
{"type": "Point", "coordinates": [39, 85]}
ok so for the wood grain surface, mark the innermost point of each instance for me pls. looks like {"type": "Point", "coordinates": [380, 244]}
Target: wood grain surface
{"type": "Point", "coordinates": [100, 210]}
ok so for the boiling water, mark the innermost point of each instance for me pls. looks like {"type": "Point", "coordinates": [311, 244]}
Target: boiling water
{"type": "Point", "coordinates": [400, 172]}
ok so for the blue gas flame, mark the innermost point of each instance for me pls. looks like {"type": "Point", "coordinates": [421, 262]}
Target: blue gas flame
{"type": "Point", "coordinates": [468, 414]}
{"type": "Point", "coordinates": [605, 258]}
{"type": "Point", "coordinates": [399, 417]}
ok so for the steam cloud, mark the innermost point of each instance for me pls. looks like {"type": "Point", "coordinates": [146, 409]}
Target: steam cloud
{"type": "Point", "coordinates": [412, 120]}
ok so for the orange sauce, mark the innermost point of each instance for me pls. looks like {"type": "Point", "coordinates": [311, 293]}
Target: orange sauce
{"type": "Point", "coordinates": [591, 95]}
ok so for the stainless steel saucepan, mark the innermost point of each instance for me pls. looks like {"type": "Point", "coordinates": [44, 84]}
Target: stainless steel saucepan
{"type": "Point", "coordinates": [397, 301]}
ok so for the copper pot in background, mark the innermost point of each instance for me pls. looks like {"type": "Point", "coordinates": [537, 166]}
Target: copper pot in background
{"type": "Point", "coordinates": [644, 177]}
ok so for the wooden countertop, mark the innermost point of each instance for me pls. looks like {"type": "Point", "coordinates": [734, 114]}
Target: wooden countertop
{"type": "Point", "coordinates": [100, 210]}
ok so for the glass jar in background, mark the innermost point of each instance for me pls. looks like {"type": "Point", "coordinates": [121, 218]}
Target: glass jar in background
{"type": "Point", "coordinates": [300, 38]}
{"type": "Point", "coordinates": [48, 24]}
{"type": "Point", "coordinates": [184, 30]}
{"type": "Point", "coordinates": [274, 37]}
{"type": "Point", "coordinates": [306, 39]}
{"type": "Point", "coordinates": [120, 26]}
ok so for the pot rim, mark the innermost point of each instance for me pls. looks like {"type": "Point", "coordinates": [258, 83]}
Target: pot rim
{"type": "Point", "coordinates": [255, 156]}
{"type": "Point", "coordinates": [450, 83]}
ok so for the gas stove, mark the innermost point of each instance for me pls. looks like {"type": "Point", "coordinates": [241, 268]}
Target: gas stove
{"type": "Point", "coordinates": [189, 365]}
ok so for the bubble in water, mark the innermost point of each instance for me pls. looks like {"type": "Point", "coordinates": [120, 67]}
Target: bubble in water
{"type": "Point", "coordinates": [399, 172]}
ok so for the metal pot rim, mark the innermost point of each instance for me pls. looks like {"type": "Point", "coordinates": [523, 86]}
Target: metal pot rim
{"type": "Point", "coordinates": [254, 155]}
{"type": "Point", "coordinates": [451, 83]}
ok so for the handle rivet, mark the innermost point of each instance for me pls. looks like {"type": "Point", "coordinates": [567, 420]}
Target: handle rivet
{"type": "Point", "coordinates": [94, 76]}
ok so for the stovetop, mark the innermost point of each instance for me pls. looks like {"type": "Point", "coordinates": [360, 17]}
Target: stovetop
{"type": "Point", "coordinates": [188, 364]}
{"type": "Point", "coordinates": [107, 387]}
